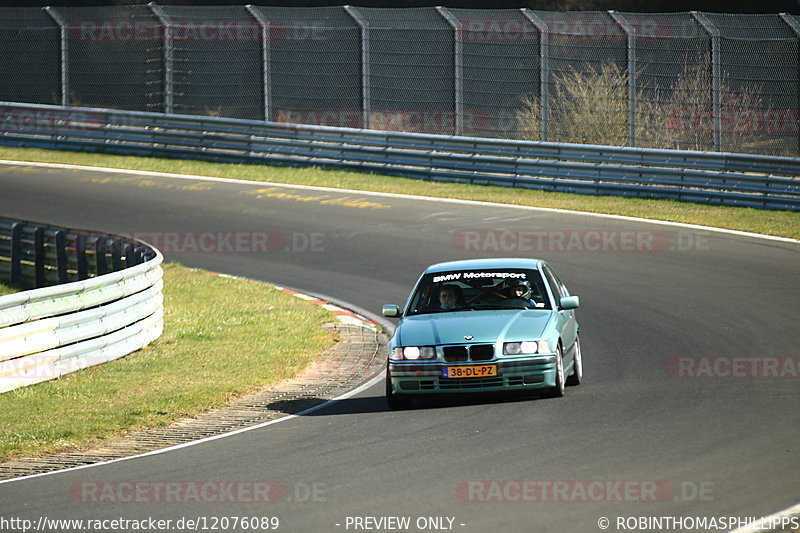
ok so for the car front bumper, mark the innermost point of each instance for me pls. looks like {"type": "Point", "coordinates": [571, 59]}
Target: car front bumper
{"type": "Point", "coordinates": [415, 377]}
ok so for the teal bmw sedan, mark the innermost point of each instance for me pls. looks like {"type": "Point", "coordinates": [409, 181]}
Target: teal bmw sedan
{"type": "Point", "coordinates": [484, 325]}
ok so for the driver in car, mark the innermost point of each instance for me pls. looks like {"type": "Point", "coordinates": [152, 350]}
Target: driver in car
{"type": "Point", "coordinates": [448, 297]}
{"type": "Point", "coordinates": [522, 291]}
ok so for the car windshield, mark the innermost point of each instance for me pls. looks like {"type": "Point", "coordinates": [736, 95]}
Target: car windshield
{"type": "Point", "coordinates": [476, 290]}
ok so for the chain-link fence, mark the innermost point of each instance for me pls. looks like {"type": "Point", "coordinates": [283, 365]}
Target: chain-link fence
{"type": "Point", "coordinates": [697, 81]}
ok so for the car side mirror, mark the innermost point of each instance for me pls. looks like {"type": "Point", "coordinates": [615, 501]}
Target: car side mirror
{"type": "Point", "coordinates": [391, 311]}
{"type": "Point", "coordinates": [570, 302]}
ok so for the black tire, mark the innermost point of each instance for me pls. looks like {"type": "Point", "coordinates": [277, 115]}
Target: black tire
{"type": "Point", "coordinates": [576, 377]}
{"type": "Point", "coordinates": [396, 401]}
{"type": "Point", "coordinates": [558, 390]}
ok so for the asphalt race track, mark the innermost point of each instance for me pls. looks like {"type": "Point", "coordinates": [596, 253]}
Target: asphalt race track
{"type": "Point", "coordinates": [672, 420]}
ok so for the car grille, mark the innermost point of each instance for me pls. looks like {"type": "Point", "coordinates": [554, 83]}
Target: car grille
{"type": "Point", "coordinates": [481, 352]}
{"type": "Point", "coordinates": [455, 354]}
{"type": "Point", "coordinates": [472, 383]}
{"type": "Point", "coordinates": [476, 352]}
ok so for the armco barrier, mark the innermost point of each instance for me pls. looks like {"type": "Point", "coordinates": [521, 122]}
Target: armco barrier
{"type": "Point", "coordinates": [708, 177]}
{"type": "Point", "coordinates": [112, 308]}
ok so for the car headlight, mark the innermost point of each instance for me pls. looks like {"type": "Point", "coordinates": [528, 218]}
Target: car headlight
{"type": "Point", "coordinates": [412, 353]}
{"type": "Point", "coordinates": [525, 347]}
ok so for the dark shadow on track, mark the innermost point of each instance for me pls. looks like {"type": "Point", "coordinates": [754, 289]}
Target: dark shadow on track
{"type": "Point", "coordinates": [377, 404]}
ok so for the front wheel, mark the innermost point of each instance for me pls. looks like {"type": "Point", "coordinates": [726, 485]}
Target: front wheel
{"type": "Point", "coordinates": [577, 366]}
{"type": "Point", "coordinates": [558, 390]}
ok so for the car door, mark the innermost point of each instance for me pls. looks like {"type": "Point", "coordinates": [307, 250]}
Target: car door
{"type": "Point", "coordinates": [566, 323]}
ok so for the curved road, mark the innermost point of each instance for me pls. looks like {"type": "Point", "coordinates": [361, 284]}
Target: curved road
{"type": "Point", "coordinates": [669, 422]}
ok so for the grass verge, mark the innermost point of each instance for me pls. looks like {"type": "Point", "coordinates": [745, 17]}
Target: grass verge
{"type": "Point", "coordinates": [7, 289]}
{"type": "Point", "coordinates": [779, 223]}
{"type": "Point", "coordinates": [222, 338]}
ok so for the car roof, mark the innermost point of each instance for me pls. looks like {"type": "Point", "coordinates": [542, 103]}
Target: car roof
{"type": "Point", "coordinates": [490, 263]}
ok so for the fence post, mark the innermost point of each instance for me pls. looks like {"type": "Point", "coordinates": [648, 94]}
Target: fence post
{"type": "Point", "coordinates": [630, 32]}
{"type": "Point", "coordinates": [130, 256]}
{"type": "Point", "coordinates": [795, 27]}
{"type": "Point", "coordinates": [61, 257]}
{"type": "Point", "coordinates": [38, 257]}
{"type": "Point", "coordinates": [366, 103]}
{"type": "Point", "coordinates": [168, 53]}
{"type": "Point", "coordinates": [544, 68]}
{"type": "Point", "coordinates": [458, 70]}
{"type": "Point", "coordinates": [16, 253]}
{"type": "Point", "coordinates": [716, 75]}
{"type": "Point", "coordinates": [62, 24]}
{"type": "Point", "coordinates": [116, 255]}
{"type": "Point", "coordinates": [100, 246]}
{"type": "Point", "coordinates": [265, 59]}
{"type": "Point", "coordinates": [80, 257]}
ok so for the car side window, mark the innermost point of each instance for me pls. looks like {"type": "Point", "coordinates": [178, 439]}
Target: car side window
{"type": "Point", "coordinates": [555, 285]}
{"type": "Point", "coordinates": [420, 300]}
{"type": "Point", "coordinates": [561, 286]}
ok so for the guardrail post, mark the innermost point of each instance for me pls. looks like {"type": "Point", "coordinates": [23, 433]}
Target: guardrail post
{"type": "Point", "coordinates": [61, 256]}
{"type": "Point", "coordinates": [168, 55]}
{"type": "Point", "coordinates": [544, 68]}
{"type": "Point", "coordinates": [366, 98]}
{"type": "Point", "coordinates": [130, 255]}
{"type": "Point", "coordinates": [39, 259]}
{"type": "Point", "coordinates": [80, 257]}
{"type": "Point", "coordinates": [716, 75]}
{"type": "Point", "coordinates": [458, 70]}
{"type": "Point", "coordinates": [795, 27]}
{"type": "Point", "coordinates": [116, 255]}
{"type": "Point", "coordinates": [16, 253]}
{"type": "Point", "coordinates": [101, 262]}
{"type": "Point", "coordinates": [62, 24]}
{"type": "Point", "coordinates": [630, 32]}
{"type": "Point", "coordinates": [265, 58]}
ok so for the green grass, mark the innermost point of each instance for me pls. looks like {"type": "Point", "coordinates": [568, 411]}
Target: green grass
{"type": "Point", "coordinates": [222, 338]}
{"type": "Point", "coordinates": [7, 289]}
{"type": "Point", "coordinates": [780, 223]}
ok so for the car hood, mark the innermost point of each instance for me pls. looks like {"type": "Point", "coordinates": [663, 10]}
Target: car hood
{"type": "Point", "coordinates": [485, 327]}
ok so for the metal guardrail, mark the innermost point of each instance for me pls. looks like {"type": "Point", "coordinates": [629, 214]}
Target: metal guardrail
{"type": "Point", "coordinates": [707, 177]}
{"type": "Point", "coordinates": [99, 298]}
